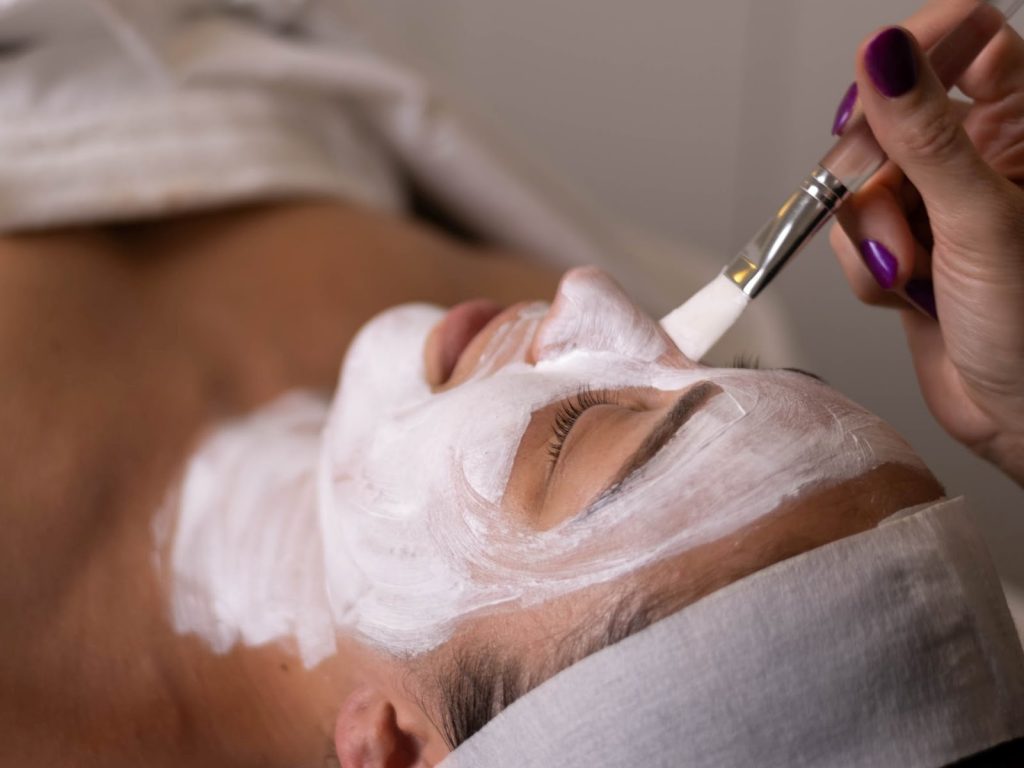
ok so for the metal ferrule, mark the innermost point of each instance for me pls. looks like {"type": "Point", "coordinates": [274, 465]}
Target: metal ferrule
{"type": "Point", "coordinates": [803, 215]}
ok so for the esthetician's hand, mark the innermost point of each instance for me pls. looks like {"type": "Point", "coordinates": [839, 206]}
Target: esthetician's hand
{"type": "Point", "coordinates": [942, 225]}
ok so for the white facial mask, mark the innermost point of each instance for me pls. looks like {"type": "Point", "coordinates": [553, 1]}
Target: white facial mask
{"type": "Point", "coordinates": [409, 483]}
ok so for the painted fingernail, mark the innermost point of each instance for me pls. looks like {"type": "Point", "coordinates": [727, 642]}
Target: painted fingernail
{"type": "Point", "coordinates": [881, 263]}
{"type": "Point", "coordinates": [845, 111]}
{"type": "Point", "coordinates": [891, 62]}
{"type": "Point", "coordinates": [922, 295]}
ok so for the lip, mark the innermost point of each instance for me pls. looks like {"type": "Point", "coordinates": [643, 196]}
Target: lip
{"type": "Point", "coordinates": [452, 336]}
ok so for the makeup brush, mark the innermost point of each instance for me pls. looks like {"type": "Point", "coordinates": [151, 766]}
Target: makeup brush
{"type": "Point", "coordinates": [698, 324]}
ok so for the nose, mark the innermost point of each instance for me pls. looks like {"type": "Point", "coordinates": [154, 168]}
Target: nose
{"type": "Point", "coordinates": [591, 312]}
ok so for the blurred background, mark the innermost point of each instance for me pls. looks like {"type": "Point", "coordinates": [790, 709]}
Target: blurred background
{"type": "Point", "coordinates": [695, 121]}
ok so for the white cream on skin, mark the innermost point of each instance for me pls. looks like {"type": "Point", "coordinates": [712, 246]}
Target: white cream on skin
{"type": "Point", "coordinates": [246, 555]}
{"type": "Point", "coordinates": [407, 535]}
{"type": "Point", "coordinates": [697, 325]}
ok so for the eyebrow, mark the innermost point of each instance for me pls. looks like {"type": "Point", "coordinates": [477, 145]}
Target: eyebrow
{"type": "Point", "coordinates": [805, 373]}
{"type": "Point", "coordinates": [686, 406]}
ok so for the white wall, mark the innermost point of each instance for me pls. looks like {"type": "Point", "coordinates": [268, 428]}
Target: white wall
{"type": "Point", "coordinates": [695, 120]}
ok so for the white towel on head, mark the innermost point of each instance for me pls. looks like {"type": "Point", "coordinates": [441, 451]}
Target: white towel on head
{"type": "Point", "coordinates": [891, 648]}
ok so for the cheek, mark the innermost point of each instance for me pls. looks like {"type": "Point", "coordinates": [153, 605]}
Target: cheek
{"type": "Point", "coordinates": [476, 432]}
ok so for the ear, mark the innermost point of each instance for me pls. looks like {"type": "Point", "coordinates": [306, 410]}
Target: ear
{"type": "Point", "coordinates": [374, 731]}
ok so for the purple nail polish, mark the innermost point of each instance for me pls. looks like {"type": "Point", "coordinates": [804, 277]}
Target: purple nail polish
{"type": "Point", "coordinates": [922, 294]}
{"type": "Point", "coordinates": [891, 62]}
{"type": "Point", "coordinates": [881, 263]}
{"type": "Point", "coordinates": [845, 111]}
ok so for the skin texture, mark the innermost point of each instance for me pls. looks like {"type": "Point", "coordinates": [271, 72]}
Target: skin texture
{"type": "Point", "coordinates": [129, 342]}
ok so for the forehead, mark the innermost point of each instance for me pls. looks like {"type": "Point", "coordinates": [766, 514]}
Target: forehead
{"type": "Point", "coordinates": [609, 611]}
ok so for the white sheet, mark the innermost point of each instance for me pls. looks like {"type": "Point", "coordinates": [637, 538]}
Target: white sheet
{"type": "Point", "coordinates": [891, 648]}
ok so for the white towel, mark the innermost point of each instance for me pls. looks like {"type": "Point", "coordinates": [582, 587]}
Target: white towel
{"type": "Point", "coordinates": [117, 109]}
{"type": "Point", "coordinates": [891, 648]}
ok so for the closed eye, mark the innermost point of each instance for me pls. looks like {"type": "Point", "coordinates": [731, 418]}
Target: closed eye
{"type": "Point", "coordinates": [570, 412]}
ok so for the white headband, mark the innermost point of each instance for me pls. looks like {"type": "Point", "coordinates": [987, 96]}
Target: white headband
{"type": "Point", "coordinates": [893, 647]}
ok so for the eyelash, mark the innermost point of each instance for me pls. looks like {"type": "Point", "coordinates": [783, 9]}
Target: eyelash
{"type": "Point", "coordinates": [743, 360]}
{"type": "Point", "coordinates": [751, 361]}
{"type": "Point", "coordinates": [569, 413]}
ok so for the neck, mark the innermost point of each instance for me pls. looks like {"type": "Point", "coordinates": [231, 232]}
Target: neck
{"type": "Point", "coordinates": [242, 561]}
{"type": "Point", "coordinates": [261, 705]}
{"type": "Point", "coordinates": [161, 691]}
{"type": "Point", "coordinates": [240, 543]}
{"type": "Point", "coordinates": [110, 396]}
{"type": "Point", "coordinates": [111, 679]}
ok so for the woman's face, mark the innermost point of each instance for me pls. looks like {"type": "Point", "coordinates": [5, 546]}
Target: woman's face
{"type": "Point", "coordinates": [470, 469]}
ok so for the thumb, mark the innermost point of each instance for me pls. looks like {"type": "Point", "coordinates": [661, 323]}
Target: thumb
{"type": "Point", "coordinates": [917, 125]}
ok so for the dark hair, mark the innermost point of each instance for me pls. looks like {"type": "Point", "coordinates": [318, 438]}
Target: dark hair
{"type": "Point", "coordinates": [474, 685]}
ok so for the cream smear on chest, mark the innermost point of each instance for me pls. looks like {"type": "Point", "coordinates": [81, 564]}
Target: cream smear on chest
{"type": "Point", "coordinates": [245, 555]}
{"type": "Point", "coordinates": [389, 523]}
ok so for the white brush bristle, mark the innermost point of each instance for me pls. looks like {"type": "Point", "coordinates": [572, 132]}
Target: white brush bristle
{"type": "Point", "coordinates": [697, 325]}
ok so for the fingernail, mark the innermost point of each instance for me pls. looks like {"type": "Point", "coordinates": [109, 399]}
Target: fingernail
{"type": "Point", "coordinates": [881, 263]}
{"type": "Point", "coordinates": [922, 295]}
{"type": "Point", "coordinates": [891, 63]}
{"type": "Point", "coordinates": [845, 111]}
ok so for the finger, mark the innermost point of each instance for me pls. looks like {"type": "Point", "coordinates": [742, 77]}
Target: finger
{"type": "Point", "coordinates": [909, 197]}
{"type": "Point", "coordinates": [879, 252]}
{"type": "Point", "coordinates": [998, 72]}
{"type": "Point", "coordinates": [893, 178]}
{"type": "Point", "coordinates": [941, 384]}
{"type": "Point", "coordinates": [935, 19]}
{"type": "Point", "coordinates": [863, 285]}
{"type": "Point", "coordinates": [919, 127]}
